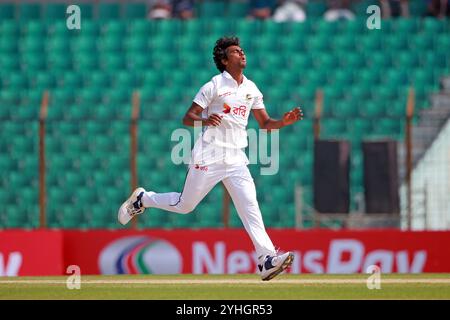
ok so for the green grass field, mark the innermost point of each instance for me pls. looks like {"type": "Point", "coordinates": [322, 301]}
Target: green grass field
{"type": "Point", "coordinates": [232, 287]}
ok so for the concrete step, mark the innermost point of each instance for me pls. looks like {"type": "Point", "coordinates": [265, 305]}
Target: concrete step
{"type": "Point", "coordinates": [445, 83]}
{"type": "Point", "coordinates": [440, 100]}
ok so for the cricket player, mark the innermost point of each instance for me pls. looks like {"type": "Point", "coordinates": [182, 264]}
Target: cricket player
{"type": "Point", "coordinates": [222, 107]}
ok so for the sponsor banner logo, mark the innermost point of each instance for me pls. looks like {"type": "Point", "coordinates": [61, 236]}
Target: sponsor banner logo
{"type": "Point", "coordinates": [140, 255]}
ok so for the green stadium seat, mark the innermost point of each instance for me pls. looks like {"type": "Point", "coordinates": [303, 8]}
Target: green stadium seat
{"type": "Point", "coordinates": [10, 28]}
{"type": "Point", "coordinates": [15, 81]}
{"type": "Point", "coordinates": [72, 217]}
{"type": "Point", "coordinates": [433, 26]}
{"type": "Point", "coordinates": [344, 76]}
{"type": "Point", "coordinates": [352, 61]}
{"type": "Point", "coordinates": [55, 11]}
{"type": "Point", "coordinates": [33, 62]}
{"type": "Point", "coordinates": [397, 42]}
{"type": "Point", "coordinates": [323, 27]}
{"type": "Point", "coordinates": [325, 61]}
{"type": "Point", "coordinates": [142, 27]}
{"type": "Point", "coordinates": [96, 79]}
{"type": "Point", "coordinates": [114, 29]}
{"type": "Point", "coordinates": [14, 219]}
{"type": "Point", "coordinates": [212, 9]}
{"type": "Point", "coordinates": [422, 42]}
{"type": "Point", "coordinates": [345, 42]}
{"type": "Point", "coordinates": [317, 78]}
{"type": "Point", "coordinates": [59, 62]}
{"type": "Point", "coordinates": [374, 109]}
{"type": "Point", "coordinates": [72, 80]}
{"type": "Point", "coordinates": [332, 127]}
{"type": "Point", "coordinates": [9, 63]}
{"type": "Point", "coordinates": [28, 11]}
{"type": "Point", "coordinates": [386, 92]}
{"type": "Point", "coordinates": [108, 11]}
{"type": "Point", "coordinates": [319, 43]}
{"type": "Point", "coordinates": [405, 59]}
{"type": "Point", "coordinates": [345, 108]}
{"type": "Point", "coordinates": [85, 44]}
{"type": "Point", "coordinates": [406, 26]}
{"type": "Point", "coordinates": [396, 109]}
{"type": "Point", "coordinates": [390, 128]}
{"type": "Point", "coordinates": [8, 45]}
{"type": "Point", "coordinates": [7, 11]}
{"type": "Point", "coordinates": [315, 9]}
{"type": "Point", "coordinates": [110, 44]}
{"type": "Point", "coordinates": [24, 113]}
{"type": "Point", "coordinates": [370, 43]}
{"type": "Point", "coordinates": [136, 45]}
{"type": "Point", "coordinates": [237, 9]}
{"type": "Point", "coordinates": [164, 26]}
{"type": "Point", "coordinates": [59, 163]}
{"type": "Point", "coordinates": [379, 60]}
{"type": "Point", "coordinates": [113, 62]}
{"type": "Point", "coordinates": [359, 127]}
{"type": "Point", "coordinates": [33, 44]}
{"type": "Point", "coordinates": [85, 63]}
{"type": "Point", "coordinates": [135, 10]}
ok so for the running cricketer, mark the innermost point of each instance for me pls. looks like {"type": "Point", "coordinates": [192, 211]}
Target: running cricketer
{"type": "Point", "coordinates": [222, 107]}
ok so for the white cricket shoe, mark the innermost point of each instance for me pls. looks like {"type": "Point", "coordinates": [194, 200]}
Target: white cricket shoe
{"type": "Point", "coordinates": [131, 207]}
{"type": "Point", "coordinates": [271, 266]}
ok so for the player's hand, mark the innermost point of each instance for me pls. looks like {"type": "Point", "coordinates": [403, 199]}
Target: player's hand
{"type": "Point", "coordinates": [292, 116]}
{"type": "Point", "coordinates": [214, 120]}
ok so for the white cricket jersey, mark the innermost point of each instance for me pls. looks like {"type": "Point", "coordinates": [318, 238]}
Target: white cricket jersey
{"type": "Point", "coordinates": [223, 96]}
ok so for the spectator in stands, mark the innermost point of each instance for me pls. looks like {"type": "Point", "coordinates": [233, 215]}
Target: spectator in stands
{"type": "Point", "coordinates": [338, 9]}
{"type": "Point", "coordinates": [394, 8]}
{"type": "Point", "coordinates": [160, 9]}
{"type": "Point", "coordinates": [261, 9]}
{"type": "Point", "coordinates": [183, 9]}
{"type": "Point", "coordinates": [438, 8]}
{"type": "Point", "coordinates": [290, 10]}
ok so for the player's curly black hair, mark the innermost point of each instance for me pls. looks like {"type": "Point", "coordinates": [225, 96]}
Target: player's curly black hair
{"type": "Point", "coordinates": [219, 51]}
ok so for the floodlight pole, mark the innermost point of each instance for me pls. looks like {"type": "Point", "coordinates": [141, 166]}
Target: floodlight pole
{"type": "Point", "coordinates": [42, 161]}
{"type": "Point", "coordinates": [134, 147]}
{"type": "Point", "coordinates": [409, 146]}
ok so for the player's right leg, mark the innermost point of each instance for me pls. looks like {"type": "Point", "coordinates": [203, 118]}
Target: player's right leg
{"type": "Point", "coordinates": [199, 181]}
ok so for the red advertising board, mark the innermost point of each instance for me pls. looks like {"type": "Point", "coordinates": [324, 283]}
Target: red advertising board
{"type": "Point", "coordinates": [31, 253]}
{"type": "Point", "coordinates": [218, 251]}
{"type": "Point", "coordinates": [230, 251]}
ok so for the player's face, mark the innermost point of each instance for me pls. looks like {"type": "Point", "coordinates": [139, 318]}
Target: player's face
{"type": "Point", "coordinates": [236, 57]}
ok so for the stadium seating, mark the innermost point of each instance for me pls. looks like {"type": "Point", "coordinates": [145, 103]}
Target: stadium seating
{"type": "Point", "coordinates": [92, 73]}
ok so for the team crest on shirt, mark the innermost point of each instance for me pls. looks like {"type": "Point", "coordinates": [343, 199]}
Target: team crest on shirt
{"type": "Point", "coordinates": [248, 96]}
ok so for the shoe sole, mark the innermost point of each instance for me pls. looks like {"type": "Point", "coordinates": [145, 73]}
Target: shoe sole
{"type": "Point", "coordinates": [286, 264]}
{"type": "Point", "coordinates": [123, 206]}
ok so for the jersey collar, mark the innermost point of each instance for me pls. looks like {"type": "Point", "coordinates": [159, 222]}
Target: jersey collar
{"type": "Point", "coordinates": [226, 75]}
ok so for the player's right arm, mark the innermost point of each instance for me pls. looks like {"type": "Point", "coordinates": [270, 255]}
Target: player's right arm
{"type": "Point", "coordinates": [194, 116]}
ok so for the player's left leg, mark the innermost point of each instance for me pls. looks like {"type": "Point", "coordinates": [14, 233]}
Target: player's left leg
{"type": "Point", "coordinates": [241, 187]}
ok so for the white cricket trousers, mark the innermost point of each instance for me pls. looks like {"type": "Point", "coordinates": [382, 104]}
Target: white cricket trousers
{"type": "Point", "coordinates": [240, 185]}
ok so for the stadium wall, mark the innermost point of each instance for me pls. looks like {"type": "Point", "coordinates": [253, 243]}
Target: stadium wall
{"type": "Point", "coordinates": [431, 187]}
{"type": "Point", "coordinates": [213, 251]}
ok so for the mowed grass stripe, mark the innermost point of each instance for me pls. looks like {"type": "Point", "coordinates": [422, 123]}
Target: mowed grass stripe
{"type": "Point", "coordinates": [229, 281]}
{"type": "Point", "coordinates": [228, 287]}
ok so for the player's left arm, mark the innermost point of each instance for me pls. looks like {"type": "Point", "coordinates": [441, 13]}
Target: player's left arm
{"type": "Point", "coordinates": [266, 122]}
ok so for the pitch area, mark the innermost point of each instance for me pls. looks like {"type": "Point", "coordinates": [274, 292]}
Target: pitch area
{"type": "Point", "coordinates": [229, 287]}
